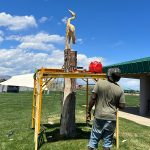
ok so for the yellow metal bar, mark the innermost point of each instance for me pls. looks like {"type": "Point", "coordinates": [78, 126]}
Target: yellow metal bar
{"type": "Point", "coordinates": [84, 79]}
{"type": "Point", "coordinates": [47, 83]}
{"type": "Point", "coordinates": [51, 70]}
{"type": "Point", "coordinates": [73, 75]}
{"type": "Point", "coordinates": [38, 108]}
{"type": "Point", "coordinates": [87, 95]}
{"type": "Point", "coordinates": [33, 104]}
{"type": "Point", "coordinates": [40, 105]}
{"type": "Point", "coordinates": [117, 129]}
{"type": "Point", "coordinates": [95, 80]}
{"type": "Point", "coordinates": [60, 73]}
{"type": "Point", "coordinates": [37, 112]}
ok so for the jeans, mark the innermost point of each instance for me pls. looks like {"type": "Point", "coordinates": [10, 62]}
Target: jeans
{"type": "Point", "coordinates": [102, 129]}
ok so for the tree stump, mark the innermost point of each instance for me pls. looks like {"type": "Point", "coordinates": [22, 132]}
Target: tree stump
{"type": "Point", "coordinates": [68, 127]}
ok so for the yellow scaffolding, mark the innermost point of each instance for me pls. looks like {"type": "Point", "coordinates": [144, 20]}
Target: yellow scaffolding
{"type": "Point", "coordinates": [45, 76]}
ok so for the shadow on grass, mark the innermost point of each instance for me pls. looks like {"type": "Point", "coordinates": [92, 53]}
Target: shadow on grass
{"type": "Point", "coordinates": [54, 135]}
{"type": "Point", "coordinates": [135, 111]}
{"type": "Point", "coordinates": [51, 133]}
{"type": "Point", "coordinates": [132, 110]}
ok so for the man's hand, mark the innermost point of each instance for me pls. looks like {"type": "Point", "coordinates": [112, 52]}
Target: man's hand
{"type": "Point", "coordinates": [88, 116]}
{"type": "Point", "coordinates": [92, 102]}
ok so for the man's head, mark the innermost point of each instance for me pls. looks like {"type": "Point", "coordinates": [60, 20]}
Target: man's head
{"type": "Point", "coordinates": [114, 74]}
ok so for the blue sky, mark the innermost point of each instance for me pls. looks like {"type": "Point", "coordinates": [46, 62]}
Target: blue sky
{"type": "Point", "coordinates": [32, 32]}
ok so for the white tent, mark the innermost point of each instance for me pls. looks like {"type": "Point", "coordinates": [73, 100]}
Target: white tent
{"type": "Point", "coordinates": [25, 80]}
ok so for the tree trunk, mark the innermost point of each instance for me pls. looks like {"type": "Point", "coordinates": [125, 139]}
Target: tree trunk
{"type": "Point", "coordinates": [68, 127]}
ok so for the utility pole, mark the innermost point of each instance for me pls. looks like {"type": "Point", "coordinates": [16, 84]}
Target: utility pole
{"type": "Point", "coordinates": [68, 127]}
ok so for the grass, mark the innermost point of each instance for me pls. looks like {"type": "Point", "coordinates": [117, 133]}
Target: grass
{"type": "Point", "coordinates": [16, 132]}
{"type": "Point", "coordinates": [132, 100]}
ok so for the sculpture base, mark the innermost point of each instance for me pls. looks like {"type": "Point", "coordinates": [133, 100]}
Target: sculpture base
{"type": "Point", "coordinates": [68, 127]}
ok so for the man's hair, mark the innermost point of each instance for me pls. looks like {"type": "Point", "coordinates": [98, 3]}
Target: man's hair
{"type": "Point", "coordinates": [114, 74]}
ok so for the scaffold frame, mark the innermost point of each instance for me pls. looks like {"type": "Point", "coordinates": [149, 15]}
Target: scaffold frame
{"type": "Point", "coordinates": [44, 76]}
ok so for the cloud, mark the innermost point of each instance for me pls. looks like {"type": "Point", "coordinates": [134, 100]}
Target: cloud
{"type": "Point", "coordinates": [16, 22]}
{"type": "Point", "coordinates": [130, 83]}
{"type": "Point", "coordinates": [43, 19]}
{"type": "Point", "coordinates": [40, 37]}
{"type": "Point", "coordinates": [36, 46]}
{"type": "Point", "coordinates": [18, 61]}
{"type": "Point", "coordinates": [40, 41]}
{"type": "Point", "coordinates": [84, 61]}
{"type": "Point", "coordinates": [64, 20]}
{"type": "Point", "coordinates": [80, 41]}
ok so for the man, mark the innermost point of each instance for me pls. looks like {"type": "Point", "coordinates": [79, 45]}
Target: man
{"type": "Point", "coordinates": [107, 96]}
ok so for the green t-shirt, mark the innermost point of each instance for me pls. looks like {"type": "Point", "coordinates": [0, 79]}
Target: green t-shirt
{"type": "Point", "coordinates": [109, 96]}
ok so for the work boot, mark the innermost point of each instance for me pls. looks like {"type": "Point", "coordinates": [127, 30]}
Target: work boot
{"type": "Point", "coordinates": [104, 148]}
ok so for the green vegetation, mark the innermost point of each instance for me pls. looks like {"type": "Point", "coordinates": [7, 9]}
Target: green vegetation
{"type": "Point", "coordinates": [132, 100]}
{"type": "Point", "coordinates": [16, 133]}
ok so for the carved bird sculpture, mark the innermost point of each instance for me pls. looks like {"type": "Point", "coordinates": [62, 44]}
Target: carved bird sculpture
{"type": "Point", "coordinates": [70, 31]}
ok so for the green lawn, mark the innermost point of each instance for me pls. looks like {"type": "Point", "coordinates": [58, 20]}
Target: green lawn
{"type": "Point", "coordinates": [132, 101]}
{"type": "Point", "coordinates": [15, 123]}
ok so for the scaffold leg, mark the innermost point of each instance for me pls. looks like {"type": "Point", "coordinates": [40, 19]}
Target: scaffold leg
{"type": "Point", "coordinates": [34, 104]}
{"type": "Point", "coordinates": [87, 97]}
{"type": "Point", "coordinates": [38, 110]}
{"type": "Point", "coordinates": [117, 129]}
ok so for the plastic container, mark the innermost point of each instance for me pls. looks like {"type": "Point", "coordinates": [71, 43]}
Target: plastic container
{"type": "Point", "coordinates": [95, 67]}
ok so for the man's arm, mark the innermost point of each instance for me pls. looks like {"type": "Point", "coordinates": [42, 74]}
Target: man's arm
{"type": "Point", "coordinates": [92, 102]}
{"type": "Point", "coordinates": [122, 102]}
{"type": "Point", "coordinates": [122, 106]}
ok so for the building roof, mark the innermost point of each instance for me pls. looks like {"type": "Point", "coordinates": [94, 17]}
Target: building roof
{"type": "Point", "coordinates": [135, 68]}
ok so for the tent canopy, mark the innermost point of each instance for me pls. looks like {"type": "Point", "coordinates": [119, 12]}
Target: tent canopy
{"type": "Point", "coordinates": [25, 80]}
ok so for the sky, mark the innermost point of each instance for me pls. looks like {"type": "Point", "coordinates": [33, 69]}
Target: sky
{"type": "Point", "coordinates": [32, 33]}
